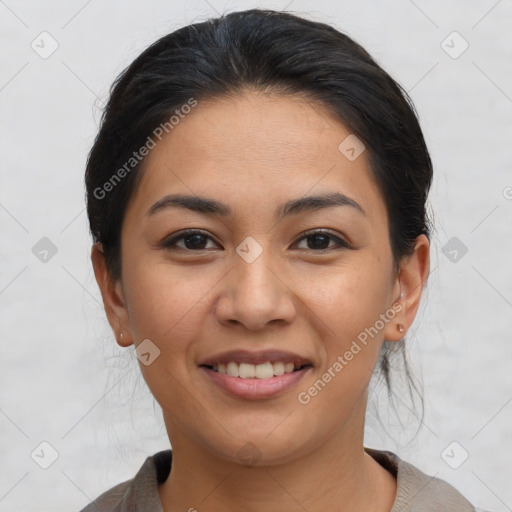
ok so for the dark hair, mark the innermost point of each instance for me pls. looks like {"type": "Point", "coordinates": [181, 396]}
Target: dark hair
{"type": "Point", "coordinates": [274, 52]}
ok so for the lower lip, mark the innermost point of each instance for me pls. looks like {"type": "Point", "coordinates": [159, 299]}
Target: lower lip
{"type": "Point", "coordinates": [255, 388]}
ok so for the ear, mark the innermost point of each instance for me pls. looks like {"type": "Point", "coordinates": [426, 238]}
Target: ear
{"type": "Point", "coordinates": [113, 297]}
{"type": "Point", "coordinates": [411, 278]}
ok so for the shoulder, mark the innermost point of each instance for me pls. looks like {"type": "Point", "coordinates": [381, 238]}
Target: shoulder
{"type": "Point", "coordinates": [417, 491]}
{"type": "Point", "coordinates": [111, 500]}
{"type": "Point", "coordinates": [139, 493]}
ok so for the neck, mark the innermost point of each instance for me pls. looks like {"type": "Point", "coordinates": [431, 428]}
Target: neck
{"type": "Point", "coordinates": [337, 475]}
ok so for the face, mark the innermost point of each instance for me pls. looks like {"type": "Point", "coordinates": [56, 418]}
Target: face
{"type": "Point", "coordinates": [261, 275]}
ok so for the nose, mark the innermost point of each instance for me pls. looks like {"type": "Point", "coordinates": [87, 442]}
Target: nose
{"type": "Point", "coordinates": [255, 294]}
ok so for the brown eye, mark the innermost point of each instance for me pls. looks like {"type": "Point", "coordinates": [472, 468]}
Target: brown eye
{"type": "Point", "coordinates": [320, 240]}
{"type": "Point", "coordinates": [193, 240]}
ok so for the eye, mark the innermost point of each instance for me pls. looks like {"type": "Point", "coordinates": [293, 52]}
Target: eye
{"type": "Point", "coordinates": [319, 241]}
{"type": "Point", "coordinates": [193, 240]}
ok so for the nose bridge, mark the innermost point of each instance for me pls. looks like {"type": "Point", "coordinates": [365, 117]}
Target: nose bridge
{"type": "Point", "coordinates": [256, 295]}
{"type": "Point", "coordinates": [254, 275]}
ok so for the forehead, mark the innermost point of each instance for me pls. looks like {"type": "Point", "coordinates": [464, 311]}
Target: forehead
{"type": "Point", "coordinates": [257, 149]}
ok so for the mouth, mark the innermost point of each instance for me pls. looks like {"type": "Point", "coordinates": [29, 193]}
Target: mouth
{"type": "Point", "coordinates": [267, 370]}
{"type": "Point", "coordinates": [255, 375]}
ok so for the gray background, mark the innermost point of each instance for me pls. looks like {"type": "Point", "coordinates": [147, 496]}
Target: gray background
{"type": "Point", "coordinates": [64, 381]}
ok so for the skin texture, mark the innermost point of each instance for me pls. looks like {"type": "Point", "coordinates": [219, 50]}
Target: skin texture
{"type": "Point", "coordinates": [254, 152]}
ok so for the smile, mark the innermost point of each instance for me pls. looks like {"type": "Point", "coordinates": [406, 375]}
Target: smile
{"type": "Point", "coordinates": [268, 385]}
{"type": "Point", "coordinates": [266, 370]}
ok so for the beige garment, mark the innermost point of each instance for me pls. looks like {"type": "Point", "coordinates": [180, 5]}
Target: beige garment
{"type": "Point", "coordinates": [416, 491]}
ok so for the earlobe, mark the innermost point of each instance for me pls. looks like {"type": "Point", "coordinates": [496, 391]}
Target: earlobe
{"type": "Point", "coordinates": [113, 298]}
{"type": "Point", "coordinates": [410, 281]}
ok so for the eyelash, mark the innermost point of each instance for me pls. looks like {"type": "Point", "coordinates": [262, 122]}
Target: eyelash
{"type": "Point", "coordinates": [171, 244]}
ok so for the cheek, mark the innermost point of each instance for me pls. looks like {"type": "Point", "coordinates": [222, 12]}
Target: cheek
{"type": "Point", "coordinates": [349, 300]}
{"type": "Point", "coordinates": [348, 306]}
{"type": "Point", "coordinates": [168, 305]}
{"type": "Point", "coordinates": [165, 301]}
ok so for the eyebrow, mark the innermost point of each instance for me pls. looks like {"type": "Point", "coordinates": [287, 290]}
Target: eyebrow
{"type": "Point", "coordinates": [208, 206]}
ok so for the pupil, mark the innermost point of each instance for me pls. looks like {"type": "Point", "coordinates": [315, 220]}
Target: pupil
{"type": "Point", "coordinates": [318, 237]}
{"type": "Point", "coordinates": [196, 241]}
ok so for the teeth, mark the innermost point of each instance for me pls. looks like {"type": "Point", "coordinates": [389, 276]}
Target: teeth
{"type": "Point", "coordinates": [263, 371]}
{"type": "Point", "coordinates": [246, 371]}
{"type": "Point", "coordinates": [232, 369]}
{"type": "Point", "coordinates": [251, 371]}
{"type": "Point", "coordinates": [278, 368]}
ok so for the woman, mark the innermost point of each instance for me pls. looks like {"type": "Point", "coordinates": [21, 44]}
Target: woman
{"type": "Point", "coordinates": [256, 195]}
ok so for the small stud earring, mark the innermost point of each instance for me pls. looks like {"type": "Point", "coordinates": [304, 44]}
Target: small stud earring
{"type": "Point", "coordinates": [400, 328]}
{"type": "Point", "coordinates": [121, 337]}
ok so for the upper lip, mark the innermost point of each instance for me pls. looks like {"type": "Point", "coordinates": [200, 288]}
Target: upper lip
{"type": "Point", "coordinates": [256, 357]}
